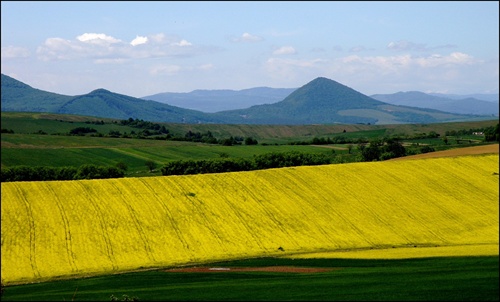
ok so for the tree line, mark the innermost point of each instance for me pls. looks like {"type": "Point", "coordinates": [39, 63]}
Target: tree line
{"type": "Point", "coordinates": [375, 150]}
{"type": "Point", "coordinates": [43, 173]}
{"type": "Point", "coordinates": [258, 162]}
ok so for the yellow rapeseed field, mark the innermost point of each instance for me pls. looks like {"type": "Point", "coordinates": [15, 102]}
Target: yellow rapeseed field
{"type": "Point", "coordinates": [62, 228]}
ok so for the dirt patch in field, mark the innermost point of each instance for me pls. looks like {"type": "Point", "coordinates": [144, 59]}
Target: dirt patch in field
{"type": "Point", "coordinates": [276, 269]}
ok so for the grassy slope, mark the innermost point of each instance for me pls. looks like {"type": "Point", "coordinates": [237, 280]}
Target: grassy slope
{"type": "Point", "coordinates": [104, 226]}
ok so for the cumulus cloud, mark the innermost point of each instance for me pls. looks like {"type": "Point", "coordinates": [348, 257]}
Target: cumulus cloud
{"type": "Point", "coordinates": [428, 71]}
{"type": "Point", "coordinates": [97, 38]}
{"type": "Point", "coordinates": [139, 40]}
{"type": "Point", "coordinates": [12, 52]}
{"type": "Point", "coordinates": [103, 48]}
{"type": "Point", "coordinates": [285, 50]}
{"type": "Point", "coordinates": [246, 37]}
{"type": "Point", "coordinates": [182, 43]}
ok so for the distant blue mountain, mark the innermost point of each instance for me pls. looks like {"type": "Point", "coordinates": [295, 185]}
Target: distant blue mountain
{"type": "Point", "coordinates": [480, 96]}
{"type": "Point", "coordinates": [221, 100]}
{"type": "Point", "coordinates": [321, 101]}
{"type": "Point", "coordinates": [450, 103]}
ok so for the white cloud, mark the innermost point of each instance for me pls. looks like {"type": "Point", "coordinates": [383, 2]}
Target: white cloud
{"type": "Point", "coordinates": [106, 49]}
{"type": "Point", "coordinates": [139, 40]}
{"type": "Point", "coordinates": [436, 71]}
{"type": "Point", "coordinates": [12, 52]}
{"type": "Point", "coordinates": [285, 50]}
{"type": "Point", "coordinates": [158, 38]}
{"type": "Point", "coordinates": [182, 43]}
{"type": "Point", "coordinates": [97, 38]}
{"type": "Point", "coordinates": [60, 49]}
{"type": "Point", "coordinates": [246, 37]}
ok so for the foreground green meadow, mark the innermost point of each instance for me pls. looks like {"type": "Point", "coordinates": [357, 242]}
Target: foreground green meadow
{"type": "Point", "coordinates": [427, 279]}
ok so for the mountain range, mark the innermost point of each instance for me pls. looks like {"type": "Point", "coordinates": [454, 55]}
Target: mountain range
{"type": "Point", "coordinates": [221, 100]}
{"type": "Point", "coordinates": [454, 104]}
{"type": "Point", "coordinates": [321, 101]}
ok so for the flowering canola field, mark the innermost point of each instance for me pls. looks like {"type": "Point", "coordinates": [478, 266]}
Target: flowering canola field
{"type": "Point", "coordinates": [63, 228]}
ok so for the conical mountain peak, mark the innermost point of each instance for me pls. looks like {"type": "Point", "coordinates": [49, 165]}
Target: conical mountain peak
{"type": "Point", "coordinates": [322, 92]}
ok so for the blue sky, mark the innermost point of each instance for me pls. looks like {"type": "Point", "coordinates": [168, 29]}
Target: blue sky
{"type": "Point", "coordinates": [143, 48]}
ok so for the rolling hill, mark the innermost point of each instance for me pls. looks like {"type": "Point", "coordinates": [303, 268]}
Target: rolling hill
{"type": "Point", "coordinates": [79, 228]}
{"type": "Point", "coordinates": [468, 105]}
{"type": "Point", "coordinates": [321, 101]}
{"type": "Point", "coordinates": [103, 103]}
{"type": "Point", "coordinates": [17, 96]}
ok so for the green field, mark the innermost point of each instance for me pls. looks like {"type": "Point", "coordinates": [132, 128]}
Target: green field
{"type": "Point", "coordinates": [22, 122]}
{"type": "Point", "coordinates": [424, 279]}
{"type": "Point", "coordinates": [56, 148]}
{"type": "Point", "coordinates": [47, 150]}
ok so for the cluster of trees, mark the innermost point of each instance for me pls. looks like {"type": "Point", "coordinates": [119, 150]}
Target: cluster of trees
{"type": "Point", "coordinates": [82, 131]}
{"type": "Point", "coordinates": [491, 133]}
{"type": "Point", "coordinates": [101, 122]}
{"type": "Point", "coordinates": [360, 140]}
{"type": "Point", "coordinates": [463, 132]}
{"type": "Point", "coordinates": [380, 150]}
{"type": "Point", "coordinates": [330, 140]}
{"type": "Point", "coordinates": [161, 133]}
{"type": "Point", "coordinates": [88, 171]}
{"type": "Point", "coordinates": [258, 162]}
{"type": "Point", "coordinates": [141, 124]}
{"type": "Point", "coordinates": [208, 138]}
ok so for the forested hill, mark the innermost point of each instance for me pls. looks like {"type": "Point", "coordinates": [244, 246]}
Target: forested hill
{"type": "Point", "coordinates": [17, 96]}
{"type": "Point", "coordinates": [324, 101]}
{"type": "Point", "coordinates": [104, 103]}
{"type": "Point", "coordinates": [321, 101]}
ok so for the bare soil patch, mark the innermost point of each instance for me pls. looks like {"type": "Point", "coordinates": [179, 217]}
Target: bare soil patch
{"type": "Point", "coordinates": [277, 269]}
